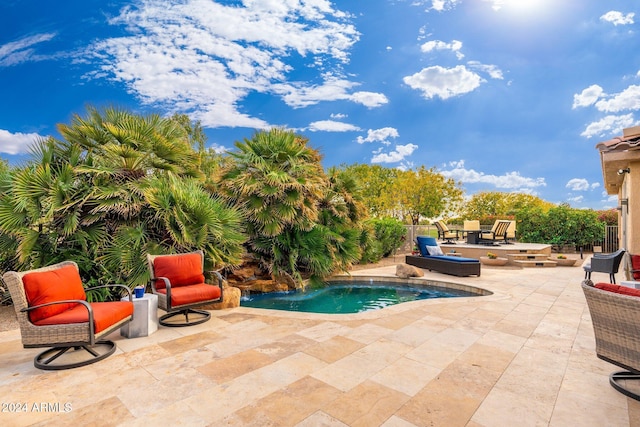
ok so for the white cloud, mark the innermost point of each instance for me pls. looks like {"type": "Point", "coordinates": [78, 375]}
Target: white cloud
{"type": "Point", "coordinates": [444, 82]}
{"type": "Point", "coordinates": [578, 184]}
{"type": "Point", "coordinates": [497, 4]}
{"type": "Point", "coordinates": [588, 96]}
{"type": "Point", "coordinates": [628, 99]}
{"type": "Point", "coordinates": [202, 58]}
{"type": "Point", "coordinates": [442, 5]}
{"type": "Point", "coordinates": [493, 71]}
{"type": "Point", "coordinates": [332, 126]}
{"type": "Point", "coordinates": [220, 149]}
{"type": "Point", "coordinates": [17, 143]}
{"type": "Point", "coordinates": [20, 51]}
{"type": "Point", "coordinates": [510, 180]}
{"type": "Point", "coordinates": [576, 199]}
{"type": "Point", "coordinates": [379, 135]}
{"type": "Point", "coordinates": [369, 99]}
{"type": "Point", "coordinates": [454, 46]}
{"type": "Point", "coordinates": [618, 18]}
{"type": "Point", "coordinates": [332, 89]}
{"type": "Point", "coordinates": [608, 125]}
{"type": "Point", "coordinates": [338, 116]}
{"type": "Point", "coordinates": [395, 156]}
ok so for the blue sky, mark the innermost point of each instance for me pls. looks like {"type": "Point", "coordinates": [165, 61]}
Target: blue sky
{"type": "Point", "coordinates": [502, 95]}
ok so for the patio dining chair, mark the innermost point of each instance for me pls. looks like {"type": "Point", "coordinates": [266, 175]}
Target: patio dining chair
{"type": "Point", "coordinates": [615, 315]}
{"type": "Point", "coordinates": [498, 233]}
{"type": "Point", "coordinates": [445, 234]}
{"type": "Point", "coordinates": [604, 263]}
{"type": "Point", "coordinates": [52, 310]}
{"type": "Point", "coordinates": [179, 282]}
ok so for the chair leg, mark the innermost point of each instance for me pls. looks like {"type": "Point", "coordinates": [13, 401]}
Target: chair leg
{"type": "Point", "coordinates": [616, 378]}
{"type": "Point", "coordinates": [99, 351]}
{"type": "Point", "coordinates": [612, 277]}
{"type": "Point", "coordinates": [202, 315]}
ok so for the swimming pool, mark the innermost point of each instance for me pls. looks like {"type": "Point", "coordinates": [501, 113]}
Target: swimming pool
{"type": "Point", "coordinates": [349, 296]}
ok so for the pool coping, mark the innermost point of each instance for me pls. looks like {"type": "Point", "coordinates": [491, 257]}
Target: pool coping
{"type": "Point", "coordinates": [386, 311]}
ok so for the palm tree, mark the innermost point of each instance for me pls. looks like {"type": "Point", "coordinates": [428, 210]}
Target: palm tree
{"type": "Point", "coordinates": [299, 221]}
{"type": "Point", "coordinates": [277, 179]}
{"type": "Point", "coordinates": [116, 186]}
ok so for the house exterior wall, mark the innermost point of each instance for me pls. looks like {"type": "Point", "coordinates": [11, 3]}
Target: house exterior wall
{"type": "Point", "coordinates": [632, 193]}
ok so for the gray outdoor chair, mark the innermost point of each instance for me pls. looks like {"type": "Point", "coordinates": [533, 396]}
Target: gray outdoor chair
{"type": "Point", "coordinates": [604, 263]}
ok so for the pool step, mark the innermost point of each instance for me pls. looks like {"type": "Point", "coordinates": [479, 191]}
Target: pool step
{"type": "Point", "coordinates": [535, 263]}
{"type": "Point", "coordinates": [528, 257]}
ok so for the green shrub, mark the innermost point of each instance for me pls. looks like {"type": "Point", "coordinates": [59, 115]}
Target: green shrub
{"type": "Point", "coordinates": [609, 217]}
{"type": "Point", "coordinates": [560, 225]}
{"type": "Point", "coordinates": [390, 232]}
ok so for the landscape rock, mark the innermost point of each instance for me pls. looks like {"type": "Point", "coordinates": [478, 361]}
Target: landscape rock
{"type": "Point", "coordinates": [230, 299]}
{"type": "Point", "coordinates": [404, 271]}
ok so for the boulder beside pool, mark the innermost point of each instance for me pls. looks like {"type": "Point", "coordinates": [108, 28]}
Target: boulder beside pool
{"type": "Point", "coordinates": [404, 271]}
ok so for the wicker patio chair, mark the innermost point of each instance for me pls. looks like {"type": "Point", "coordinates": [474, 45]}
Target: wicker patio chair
{"type": "Point", "coordinates": [53, 311]}
{"type": "Point", "coordinates": [615, 314]}
{"type": "Point", "coordinates": [179, 282]}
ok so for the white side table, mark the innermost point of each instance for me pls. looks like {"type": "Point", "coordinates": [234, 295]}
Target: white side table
{"type": "Point", "coordinates": [630, 284]}
{"type": "Point", "coordinates": [145, 317]}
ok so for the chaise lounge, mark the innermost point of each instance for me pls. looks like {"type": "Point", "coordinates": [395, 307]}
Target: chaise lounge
{"type": "Point", "coordinates": [434, 259]}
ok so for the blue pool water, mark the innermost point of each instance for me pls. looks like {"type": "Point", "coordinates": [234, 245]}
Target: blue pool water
{"type": "Point", "coordinates": [348, 297]}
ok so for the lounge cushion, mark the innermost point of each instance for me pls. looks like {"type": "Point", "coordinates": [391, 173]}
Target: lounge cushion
{"type": "Point", "coordinates": [192, 294]}
{"type": "Point", "coordinates": [44, 287]}
{"type": "Point", "coordinates": [181, 270]}
{"type": "Point", "coordinates": [619, 289]}
{"type": "Point", "coordinates": [423, 242]}
{"type": "Point", "coordinates": [635, 265]}
{"type": "Point", "coordinates": [456, 259]}
{"type": "Point", "coordinates": [105, 314]}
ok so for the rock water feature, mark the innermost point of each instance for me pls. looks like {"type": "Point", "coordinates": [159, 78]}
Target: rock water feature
{"type": "Point", "coordinates": [251, 278]}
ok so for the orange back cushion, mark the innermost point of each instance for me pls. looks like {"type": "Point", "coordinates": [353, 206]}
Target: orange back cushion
{"type": "Point", "coordinates": [619, 289]}
{"type": "Point", "coordinates": [635, 265]}
{"type": "Point", "coordinates": [50, 286]}
{"type": "Point", "coordinates": [181, 270]}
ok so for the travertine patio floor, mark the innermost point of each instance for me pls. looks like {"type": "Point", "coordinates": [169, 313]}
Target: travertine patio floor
{"type": "Point", "coordinates": [523, 356]}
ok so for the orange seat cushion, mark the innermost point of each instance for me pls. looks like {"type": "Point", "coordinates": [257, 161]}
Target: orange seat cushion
{"type": "Point", "coordinates": [105, 314]}
{"type": "Point", "coordinates": [184, 295]}
{"type": "Point", "coordinates": [619, 289]}
{"type": "Point", "coordinates": [49, 286]}
{"type": "Point", "coordinates": [181, 270]}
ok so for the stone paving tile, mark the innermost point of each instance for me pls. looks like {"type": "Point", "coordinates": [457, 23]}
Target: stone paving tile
{"type": "Point", "coordinates": [368, 404]}
{"type": "Point", "coordinates": [571, 408]}
{"type": "Point", "coordinates": [289, 406]}
{"type": "Point", "coordinates": [395, 421]}
{"type": "Point", "coordinates": [325, 331]}
{"type": "Point", "coordinates": [189, 342]}
{"type": "Point", "coordinates": [504, 408]}
{"type": "Point", "coordinates": [229, 368]}
{"type": "Point", "coordinates": [441, 403]}
{"type": "Point", "coordinates": [406, 376]}
{"type": "Point", "coordinates": [320, 419]}
{"type": "Point", "coordinates": [334, 349]}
